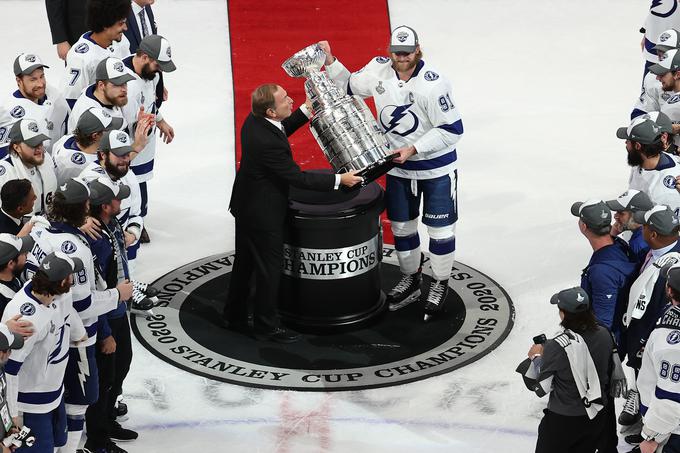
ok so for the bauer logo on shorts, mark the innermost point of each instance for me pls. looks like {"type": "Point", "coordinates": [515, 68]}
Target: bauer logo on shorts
{"type": "Point", "coordinates": [192, 340]}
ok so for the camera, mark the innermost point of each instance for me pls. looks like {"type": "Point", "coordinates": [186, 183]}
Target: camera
{"type": "Point", "coordinates": [540, 339]}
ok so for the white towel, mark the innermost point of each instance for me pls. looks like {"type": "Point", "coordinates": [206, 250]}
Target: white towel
{"type": "Point", "coordinates": [642, 288]}
{"type": "Point", "coordinates": [584, 371]}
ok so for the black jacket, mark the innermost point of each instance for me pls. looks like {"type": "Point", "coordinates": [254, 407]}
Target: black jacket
{"type": "Point", "coordinates": [68, 19]}
{"type": "Point", "coordinates": [7, 224]}
{"type": "Point", "coordinates": [260, 194]}
{"type": "Point", "coordinates": [133, 33]}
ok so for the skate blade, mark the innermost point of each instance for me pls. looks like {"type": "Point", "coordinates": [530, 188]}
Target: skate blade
{"type": "Point", "coordinates": [635, 428]}
{"type": "Point", "coordinates": [408, 301]}
{"type": "Point", "coordinates": [143, 313]}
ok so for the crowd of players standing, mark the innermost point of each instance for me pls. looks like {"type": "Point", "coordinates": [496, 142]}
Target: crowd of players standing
{"type": "Point", "coordinates": [74, 165]}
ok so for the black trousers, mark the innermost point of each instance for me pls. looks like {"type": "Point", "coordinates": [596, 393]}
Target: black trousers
{"type": "Point", "coordinates": [255, 278]}
{"type": "Point", "coordinates": [564, 434]}
{"type": "Point", "coordinates": [113, 368]}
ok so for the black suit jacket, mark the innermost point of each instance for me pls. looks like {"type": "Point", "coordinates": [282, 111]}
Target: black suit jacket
{"type": "Point", "coordinates": [68, 19]}
{"type": "Point", "coordinates": [7, 224]}
{"type": "Point", "coordinates": [134, 35]}
{"type": "Point", "coordinates": [260, 195]}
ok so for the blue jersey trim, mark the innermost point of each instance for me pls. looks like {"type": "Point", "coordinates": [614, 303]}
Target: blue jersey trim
{"type": "Point", "coordinates": [643, 409]}
{"type": "Point", "coordinates": [454, 128]}
{"type": "Point", "coordinates": [12, 367]}
{"type": "Point", "coordinates": [82, 304]}
{"type": "Point", "coordinates": [4, 151]}
{"type": "Point", "coordinates": [666, 395]}
{"type": "Point", "coordinates": [91, 329]}
{"type": "Point", "coordinates": [70, 143]}
{"type": "Point", "coordinates": [429, 164]}
{"type": "Point", "coordinates": [637, 112]}
{"type": "Point", "coordinates": [143, 168]}
{"type": "Point", "coordinates": [40, 397]}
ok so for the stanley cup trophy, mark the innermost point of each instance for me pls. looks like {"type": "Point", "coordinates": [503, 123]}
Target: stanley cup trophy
{"type": "Point", "coordinates": [343, 125]}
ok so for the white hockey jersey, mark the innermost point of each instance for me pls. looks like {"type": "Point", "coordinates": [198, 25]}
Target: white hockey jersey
{"type": "Point", "coordinates": [88, 300]}
{"type": "Point", "coordinates": [85, 102]}
{"type": "Point", "coordinates": [659, 183]}
{"type": "Point", "coordinates": [43, 178]}
{"type": "Point", "coordinates": [35, 373]}
{"type": "Point", "coordinates": [652, 97]}
{"type": "Point", "coordinates": [419, 112]}
{"type": "Point", "coordinates": [130, 208]}
{"type": "Point", "coordinates": [142, 93]}
{"type": "Point", "coordinates": [50, 112]}
{"type": "Point", "coordinates": [81, 64]}
{"type": "Point", "coordinates": [671, 107]}
{"type": "Point", "coordinates": [663, 14]}
{"type": "Point", "coordinates": [659, 379]}
{"type": "Point", "coordinates": [69, 160]}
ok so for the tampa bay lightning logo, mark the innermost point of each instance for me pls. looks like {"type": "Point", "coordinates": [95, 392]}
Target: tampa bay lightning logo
{"type": "Point", "coordinates": [669, 181]}
{"type": "Point", "coordinates": [27, 309]}
{"type": "Point", "coordinates": [673, 99]}
{"type": "Point", "coordinates": [382, 59]}
{"type": "Point", "coordinates": [78, 158]}
{"type": "Point", "coordinates": [17, 112]}
{"type": "Point", "coordinates": [3, 170]}
{"type": "Point", "coordinates": [430, 76]}
{"type": "Point", "coordinates": [663, 8]}
{"type": "Point", "coordinates": [673, 337]}
{"type": "Point", "coordinates": [68, 247]}
{"type": "Point", "coordinates": [82, 48]}
{"type": "Point", "coordinates": [399, 120]}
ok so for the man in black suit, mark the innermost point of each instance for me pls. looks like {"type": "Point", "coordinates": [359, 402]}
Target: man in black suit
{"type": "Point", "coordinates": [259, 202]}
{"type": "Point", "coordinates": [17, 198]}
{"type": "Point", "coordinates": [68, 21]}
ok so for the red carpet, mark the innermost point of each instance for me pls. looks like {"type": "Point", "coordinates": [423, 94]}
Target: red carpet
{"type": "Point", "coordinates": [265, 33]}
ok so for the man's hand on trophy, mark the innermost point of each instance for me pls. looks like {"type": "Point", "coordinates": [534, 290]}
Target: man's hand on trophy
{"type": "Point", "coordinates": [327, 50]}
{"type": "Point", "coordinates": [308, 104]}
{"type": "Point", "coordinates": [350, 179]}
{"type": "Point", "coordinates": [404, 154]}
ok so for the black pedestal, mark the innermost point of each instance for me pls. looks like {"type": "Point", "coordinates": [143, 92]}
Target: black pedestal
{"type": "Point", "coordinates": [332, 255]}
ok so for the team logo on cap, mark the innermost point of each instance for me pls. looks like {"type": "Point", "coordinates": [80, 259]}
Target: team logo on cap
{"type": "Point", "coordinates": [382, 59]}
{"type": "Point", "coordinates": [579, 296]}
{"type": "Point", "coordinates": [105, 114]}
{"type": "Point", "coordinates": [664, 37]}
{"type": "Point", "coordinates": [27, 309]}
{"type": "Point", "coordinates": [122, 137]}
{"type": "Point", "coordinates": [68, 247]}
{"type": "Point", "coordinates": [17, 112]}
{"type": "Point", "coordinates": [30, 58]}
{"type": "Point", "coordinates": [118, 67]}
{"type": "Point", "coordinates": [168, 52]}
{"type": "Point", "coordinates": [33, 127]}
{"type": "Point", "coordinates": [669, 181]}
{"type": "Point", "coordinates": [663, 56]}
{"type": "Point", "coordinates": [78, 158]}
{"type": "Point", "coordinates": [430, 76]}
{"type": "Point", "coordinates": [82, 48]}
{"type": "Point", "coordinates": [402, 36]}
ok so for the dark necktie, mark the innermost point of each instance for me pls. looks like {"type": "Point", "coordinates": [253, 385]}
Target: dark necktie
{"type": "Point", "coordinates": [142, 20]}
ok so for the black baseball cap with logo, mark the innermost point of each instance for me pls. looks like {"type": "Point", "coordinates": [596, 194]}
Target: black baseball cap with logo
{"type": "Point", "coordinates": [642, 130]}
{"type": "Point", "coordinates": [573, 300]}
{"type": "Point", "coordinates": [594, 213]}
{"type": "Point", "coordinates": [660, 218]}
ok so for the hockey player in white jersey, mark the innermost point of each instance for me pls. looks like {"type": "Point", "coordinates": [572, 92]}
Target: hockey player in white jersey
{"type": "Point", "coordinates": [27, 159]}
{"type": "Point", "coordinates": [653, 171]}
{"type": "Point", "coordinates": [114, 162]}
{"type": "Point", "coordinates": [663, 14]}
{"type": "Point", "coordinates": [659, 379]}
{"type": "Point", "coordinates": [35, 99]}
{"type": "Point", "coordinates": [91, 299]}
{"type": "Point", "coordinates": [107, 20]}
{"type": "Point", "coordinates": [653, 95]}
{"type": "Point", "coordinates": [152, 57]}
{"type": "Point", "coordinates": [419, 118]}
{"type": "Point", "coordinates": [35, 373]}
{"type": "Point", "coordinates": [74, 152]}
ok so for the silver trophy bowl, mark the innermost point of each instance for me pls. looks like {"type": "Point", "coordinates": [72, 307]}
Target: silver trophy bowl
{"type": "Point", "coordinates": [343, 125]}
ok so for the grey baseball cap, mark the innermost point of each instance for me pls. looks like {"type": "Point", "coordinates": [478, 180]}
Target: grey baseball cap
{"type": "Point", "coordinates": [662, 120]}
{"type": "Point", "coordinates": [573, 300]}
{"type": "Point", "coordinates": [158, 48]}
{"type": "Point", "coordinates": [113, 70]}
{"type": "Point", "coordinates": [104, 190]}
{"type": "Point", "coordinates": [660, 218]}
{"type": "Point", "coordinates": [58, 265]}
{"type": "Point", "coordinates": [594, 213]}
{"type": "Point", "coordinates": [631, 200]}
{"type": "Point", "coordinates": [403, 39]}
{"type": "Point", "coordinates": [642, 130]}
{"type": "Point", "coordinates": [26, 63]}
{"type": "Point", "coordinates": [74, 190]}
{"type": "Point", "coordinates": [668, 61]}
{"type": "Point", "coordinates": [27, 130]}
{"type": "Point", "coordinates": [97, 119]}
{"type": "Point", "coordinates": [9, 340]}
{"type": "Point", "coordinates": [117, 142]}
{"type": "Point", "coordinates": [667, 40]}
{"type": "Point", "coordinates": [12, 246]}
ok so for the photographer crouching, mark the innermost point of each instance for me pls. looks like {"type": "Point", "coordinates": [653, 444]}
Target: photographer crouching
{"type": "Point", "coordinates": [581, 371]}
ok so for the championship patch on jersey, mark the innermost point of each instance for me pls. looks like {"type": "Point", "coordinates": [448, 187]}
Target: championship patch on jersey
{"type": "Point", "coordinates": [68, 247]}
{"type": "Point", "coordinates": [673, 337]}
{"type": "Point", "coordinates": [49, 125]}
{"type": "Point", "coordinates": [395, 348]}
{"type": "Point", "coordinates": [27, 309]}
{"type": "Point", "coordinates": [382, 60]}
{"type": "Point", "coordinates": [430, 76]}
{"type": "Point", "coordinates": [17, 112]}
{"type": "Point", "coordinates": [78, 158]}
{"type": "Point", "coordinates": [82, 48]}
{"type": "Point", "coordinates": [669, 181]}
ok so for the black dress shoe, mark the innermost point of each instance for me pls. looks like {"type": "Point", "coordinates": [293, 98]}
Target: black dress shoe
{"type": "Point", "coordinates": [278, 335]}
{"type": "Point", "coordinates": [144, 237]}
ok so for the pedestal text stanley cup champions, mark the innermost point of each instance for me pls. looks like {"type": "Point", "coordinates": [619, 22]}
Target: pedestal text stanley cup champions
{"type": "Point", "coordinates": [342, 124]}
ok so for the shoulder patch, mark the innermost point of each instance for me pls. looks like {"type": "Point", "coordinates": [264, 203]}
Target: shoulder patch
{"type": "Point", "coordinates": [78, 158]}
{"type": "Point", "coordinates": [430, 76]}
{"type": "Point", "coordinates": [669, 181]}
{"type": "Point", "coordinates": [382, 60]}
{"type": "Point", "coordinates": [17, 112]}
{"type": "Point", "coordinates": [27, 309]}
{"type": "Point", "coordinates": [82, 47]}
{"type": "Point", "coordinates": [3, 170]}
{"type": "Point", "coordinates": [68, 247]}
{"type": "Point", "coordinates": [673, 337]}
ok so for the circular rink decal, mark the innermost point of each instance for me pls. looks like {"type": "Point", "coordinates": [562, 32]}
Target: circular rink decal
{"type": "Point", "coordinates": [187, 331]}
